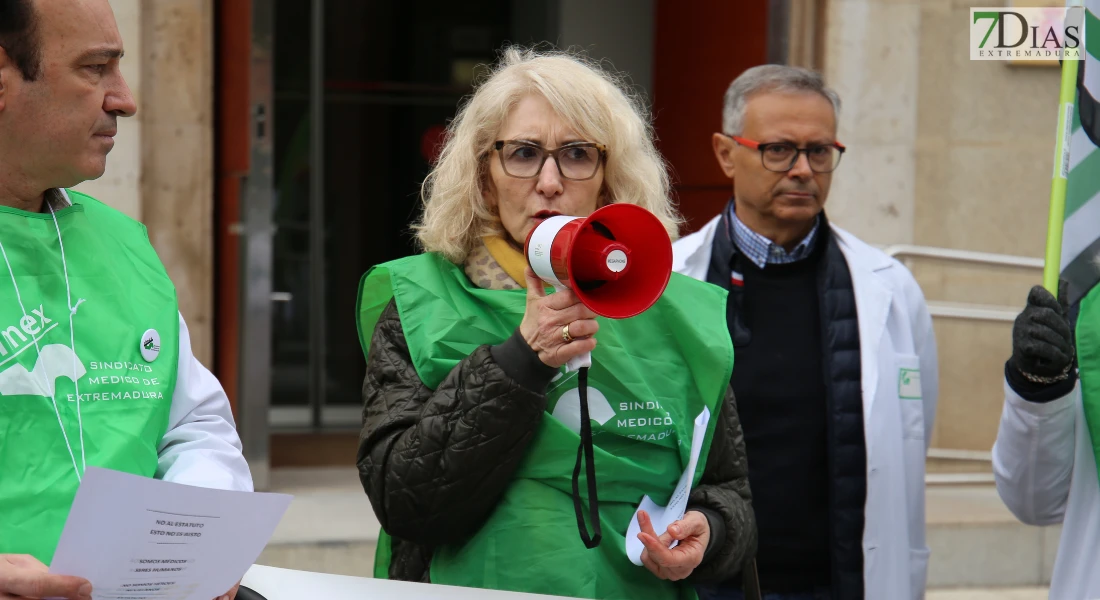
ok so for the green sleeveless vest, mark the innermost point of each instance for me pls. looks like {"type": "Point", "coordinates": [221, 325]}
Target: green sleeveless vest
{"type": "Point", "coordinates": [121, 292]}
{"type": "Point", "coordinates": [651, 376]}
{"type": "Point", "coordinates": [1088, 359]}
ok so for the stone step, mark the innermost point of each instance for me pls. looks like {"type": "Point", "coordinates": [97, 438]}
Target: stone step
{"type": "Point", "coordinates": [336, 558]}
{"type": "Point", "coordinates": [1001, 593]}
{"type": "Point", "coordinates": [329, 527]}
{"type": "Point", "coordinates": [976, 541]}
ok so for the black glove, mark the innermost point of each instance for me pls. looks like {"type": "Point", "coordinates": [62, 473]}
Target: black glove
{"type": "Point", "coordinates": [1042, 340]}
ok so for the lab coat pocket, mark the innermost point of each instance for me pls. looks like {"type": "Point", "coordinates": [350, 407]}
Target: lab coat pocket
{"type": "Point", "coordinates": [909, 396]}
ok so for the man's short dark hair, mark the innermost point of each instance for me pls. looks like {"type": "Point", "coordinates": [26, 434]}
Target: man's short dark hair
{"type": "Point", "coordinates": [19, 36]}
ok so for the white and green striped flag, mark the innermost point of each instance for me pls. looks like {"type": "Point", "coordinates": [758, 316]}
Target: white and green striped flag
{"type": "Point", "coordinates": [1080, 263]}
{"type": "Point", "coordinates": [1081, 235]}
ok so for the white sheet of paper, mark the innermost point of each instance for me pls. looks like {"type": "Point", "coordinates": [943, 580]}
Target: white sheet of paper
{"type": "Point", "coordinates": [137, 538]}
{"type": "Point", "coordinates": [663, 516]}
{"type": "Point", "coordinates": [288, 584]}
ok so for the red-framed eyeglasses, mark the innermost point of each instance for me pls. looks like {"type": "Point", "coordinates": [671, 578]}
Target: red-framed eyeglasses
{"type": "Point", "coordinates": [781, 157]}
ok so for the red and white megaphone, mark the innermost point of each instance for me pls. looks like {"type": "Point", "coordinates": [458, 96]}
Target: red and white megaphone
{"type": "Point", "coordinates": [617, 261]}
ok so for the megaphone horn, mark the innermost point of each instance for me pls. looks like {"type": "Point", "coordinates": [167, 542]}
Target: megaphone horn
{"type": "Point", "coordinates": [618, 260]}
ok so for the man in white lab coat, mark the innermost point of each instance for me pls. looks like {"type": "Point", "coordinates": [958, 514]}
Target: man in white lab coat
{"type": "Point", "coordinates": [96, 365]}
{"type": "Point", "coordinates": [1043, 458]}
{"type": "Point", "coordinates": [836, 373]}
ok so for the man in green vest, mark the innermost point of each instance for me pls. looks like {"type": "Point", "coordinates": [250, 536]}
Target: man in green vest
{"type": "Point", "coordinates": [96, 367]}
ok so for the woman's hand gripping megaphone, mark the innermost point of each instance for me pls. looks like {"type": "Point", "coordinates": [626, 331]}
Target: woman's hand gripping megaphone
{"type": "Point", "coordinates": [558, 326]}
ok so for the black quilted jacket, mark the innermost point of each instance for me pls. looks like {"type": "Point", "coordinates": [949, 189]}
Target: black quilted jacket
{"type": "Point", "coordinates": [434, 463]}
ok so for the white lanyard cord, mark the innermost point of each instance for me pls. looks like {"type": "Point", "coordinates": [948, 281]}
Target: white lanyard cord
{"type": "Point", "coordinates": [72, 339]}
{"type": "Point", "coordinates": [43, 365]}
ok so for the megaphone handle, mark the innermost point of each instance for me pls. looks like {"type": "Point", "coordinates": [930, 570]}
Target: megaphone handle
{"type": "Point", "coordinates": [577, 362]}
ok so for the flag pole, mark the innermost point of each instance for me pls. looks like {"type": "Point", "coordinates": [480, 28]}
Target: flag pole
{"type": "Point", "coordinates": [1056, 220]}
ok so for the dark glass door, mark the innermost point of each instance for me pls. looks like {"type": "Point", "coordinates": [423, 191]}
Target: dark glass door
{"type": "Point", "coordinates": [383, 78]}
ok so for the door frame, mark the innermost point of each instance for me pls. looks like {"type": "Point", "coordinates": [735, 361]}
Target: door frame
{"type": "Point", "coordinates": [243, 221]}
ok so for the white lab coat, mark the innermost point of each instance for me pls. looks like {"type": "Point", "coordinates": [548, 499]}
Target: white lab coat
{"type": "Point", "coordinates": [1046, 474]}
{"type": "Point", "coordinates": [895, 334]}
{"type": "Point", "coordinates": [201, 446]}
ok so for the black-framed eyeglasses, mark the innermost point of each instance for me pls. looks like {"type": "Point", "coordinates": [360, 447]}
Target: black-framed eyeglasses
{"type": "Point", "coordinates": [781, 157]}
{"type": "Point", "coordinates": [524, 160]}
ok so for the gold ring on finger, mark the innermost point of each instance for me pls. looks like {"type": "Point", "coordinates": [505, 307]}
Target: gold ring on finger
{"type": "Point", "coordinates": [565, 334]}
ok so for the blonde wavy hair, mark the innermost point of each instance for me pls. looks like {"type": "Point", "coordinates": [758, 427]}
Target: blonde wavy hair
{"type": "Point", "coordinates": [594, 101]}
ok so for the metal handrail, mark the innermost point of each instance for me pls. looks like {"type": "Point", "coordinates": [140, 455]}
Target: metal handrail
{"type": "Point", "coordinates": [987, 258]}
{"type": "Point", "coordinates": [951, 454]}
{"type": "Point", "coordinates": [956, 310]}
{"type": "Point", "coordinates": [977, 312]}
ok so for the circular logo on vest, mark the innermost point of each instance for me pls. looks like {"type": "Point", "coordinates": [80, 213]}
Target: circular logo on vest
{"type": "Point", "coordinates": [150, 345]}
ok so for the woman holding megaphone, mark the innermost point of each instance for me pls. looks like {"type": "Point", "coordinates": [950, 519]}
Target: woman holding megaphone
{"type": "Point", "coordinates": [489, 458]}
